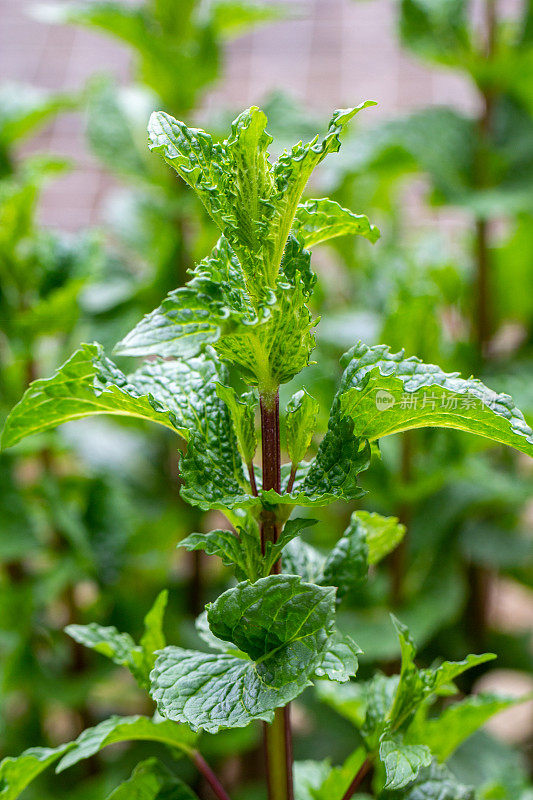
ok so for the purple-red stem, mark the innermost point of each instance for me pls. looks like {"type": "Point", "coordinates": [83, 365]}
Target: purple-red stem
{"type": "Point", "coordinates": [203, 767]}
{"type": "Point", "coordinates": [278, 735]}
{"type": "Point", "coordinates": [359, 778]}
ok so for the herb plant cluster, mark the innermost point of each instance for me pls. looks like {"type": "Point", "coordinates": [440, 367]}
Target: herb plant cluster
{"type": "Point", "coordinates": [217, 351]}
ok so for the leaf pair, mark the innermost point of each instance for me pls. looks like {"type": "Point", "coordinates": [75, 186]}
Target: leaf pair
{"type": "Point", "coordinates": [271, 637]}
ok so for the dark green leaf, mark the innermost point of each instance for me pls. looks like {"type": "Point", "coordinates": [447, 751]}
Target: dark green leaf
{"type": "Point", "coordinates": [402, 761]}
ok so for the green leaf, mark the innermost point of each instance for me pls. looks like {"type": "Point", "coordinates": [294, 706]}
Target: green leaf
{"type": "Point", "coordinates": [336, 784]}
{"type": "Point", "coordinates": [444, 734]}
{"type": "Point", "coordinates": [386, 393]}
{"type": "Point", "coordinates": [318, 221]}
{"type": "Point", "coordinates": [347, 699]}
{"type": "Point", "coordinates": [121, 648]}
{"type": "Point", "coordinates": [241, 550]}
{"type": "Point", "coordinates": [368, 538]}
{"type": "Point", "coordinates": [23, 108]}
{"type": "Point", "coordinates": [213, 304]}
{"type": "Point", "coordinates": [332, 475]}
{"type": "Point", "coordinates": [153, 637]}
{"type": "Point", "coordinates": [284, 627]}
{"type": "Point", "coordinates": [382, 534]}
{"type": "Point", "coordinates": [300, 424]}
{"type": "Point", "coordinates": [416, 685]}
{"type": "Point", "coordinates": [151, 780]}
{"type": "Point", "coordinates": [308, 776]}
{"type": "Point", "coordinates": [435, 783]}
{"type": "Point", "coordinates": [243, 416]}
{"type": "Point", "coordinates": [17, 773]}
{"type": "Point", "coordinates": [127, 729]}
{"type": "Point", "coordinates": [402, 761]}
{"type": "Point", "coordinates": [290, 531]}
{"type": "Point", "coordinates": [346, 566]}
{"type": "Point", "coordinates": [340, 661]}
{"type": "Point", "coordinates": [301, 558]}
{"type": "Point", "coordinates": [174, 394]}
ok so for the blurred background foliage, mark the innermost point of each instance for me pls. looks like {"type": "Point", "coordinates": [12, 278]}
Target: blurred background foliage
{"type": "Point", "coordinates": [90, 515]}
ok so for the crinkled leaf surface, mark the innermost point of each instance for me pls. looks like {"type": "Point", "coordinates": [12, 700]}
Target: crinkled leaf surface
{"type": "Point", "coordinates": [384, 393]}
{"type": "Point", "coordinates": [434, 783]}
{"type": "Point", "coordinates": [340, 661]}
{"type": "Point", "coordinates": [241, 550]}
{"type": "Point", "coordinates": [281, 623]}
{"type": "Point", "coordinates": [381, 534]}
{"type": "Point", "coordinates": [323, 219]}
{"type": "Point", "coordinates": [402, 761]}
{"type": "Point", "coordinates": [179, 395]}
{"type": "Point", "coordinates": [127, 729]}
{"type": "Point", "coordinates": [151, 780]}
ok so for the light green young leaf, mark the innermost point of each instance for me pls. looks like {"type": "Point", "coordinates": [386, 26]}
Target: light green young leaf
{"type": "Point", "coordinates": [271, 622]}
{"type": "Point", "coordinates": [153, 637]}
{"type": "Point", "coordinates": [444, 734]}
{"type": "Point", "coordinates": [416, 685]}
{"type": "Point", "coordinates": [23, 108]}
{"type": "Point", "coordinates": [382, 534]}
{"type": "Point", "coordinates": [243, 416]}
{"type": "Point", "coordinates": [348, 699]}
{"type": "Point", "coordinates": [17, 773]}
{"type": "Point", "coordinates": [402, 761]}
{"type": "Point", "coordinates": [300, 424]}
{"type": "Point", "coordinates": [308, 776]}
{"type": "Point", "coordinates": [151, 780]}
{"type": "Point", "coordinates": [384, 393]}
{"type": "Point", "coordinates": [127, 729]}
{"type": "Point", "coordinates": [340, 661]}
{"type": "Point", "coordinates": [339, 778]}
{"type": "Point", "coordinates": [121, 648]}
{"type": "Point", "coordinates": [319, 220]}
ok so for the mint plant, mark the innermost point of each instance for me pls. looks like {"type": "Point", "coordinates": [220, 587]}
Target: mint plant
{"type": "Point", "coordinates": [217, 351]}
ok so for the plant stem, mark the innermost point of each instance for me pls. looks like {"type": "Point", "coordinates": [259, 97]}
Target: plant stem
{"type": "Point", "coordinates": [251, 475]}
{"type": "Point", "coordinates": [203, 767]}
{"type": "Point", "coordinates": [359, 778]}
{"type": "Point", "coordinates": [292, 477]}
{"type": "Point", "coordinates": [278, 735]}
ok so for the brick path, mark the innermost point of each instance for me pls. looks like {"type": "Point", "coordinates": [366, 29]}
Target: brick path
{"type": "Point", "coordinates": [330, 54]}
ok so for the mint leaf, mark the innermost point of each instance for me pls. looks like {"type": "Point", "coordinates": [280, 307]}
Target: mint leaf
{"type": "Point", "coordinates": [340, 661]}
{"type": "Point", "coordinates": [151, 780]}
{"type": "Point", "coordinates": [301, 558]}
{"type": "Point", "coordinates": [300, 424]}
{"type": "Point", "coordinates": [241, 550]}
{"type": "Point", "coordinates": [444, 734]}
{"type": "Point", "coordinates": [213, 304]}
{"type": "Point", "coordinates": [17, 773]}
{"type": "Point", "coordinates": [382, 534]}
{"type": "Point", "coordinates": [173, 394]}
{"type": "Point", "coordinates": [349, 699]}
{"type": "Point", "coordinates": [87, 384]}
{"type": "Point", "coordinates": [340, 458]}
{"type": "Point", "coordinates": [416, 685]}
{"type": "Point", "coordinates": [435, 783]}
{"type": "Point", "coordinates": [290, 531]}
{"type": "Point", "coordinates": [243, 416]}
{"type": "Point", "coordinates": [319, 220]}
{"type": "Point", "coordinates": [281, 623]}
{"type": "Point", "coordinates": [121, 648]}
{"type": "Point", "coordinates": [153, 637]}
{"type": "Point", "coordinates": [127, 729]}
{"type": "Point", "coordinates": [384, 393]}
{"type": "Point", "coordinates": [402, 762]}
{"type": "Point", "coordinates": [347, 565]}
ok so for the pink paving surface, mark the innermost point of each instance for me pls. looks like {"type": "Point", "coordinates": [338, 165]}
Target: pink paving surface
{"type": "Point", "coordinates": [331, 53]}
